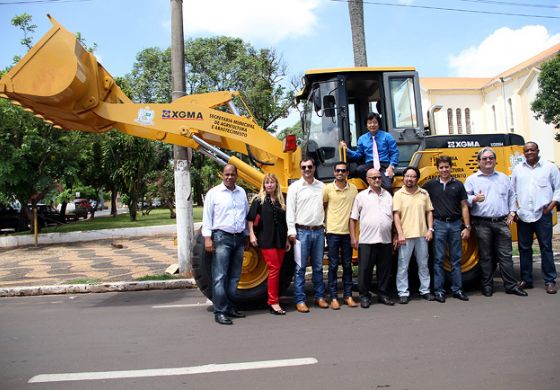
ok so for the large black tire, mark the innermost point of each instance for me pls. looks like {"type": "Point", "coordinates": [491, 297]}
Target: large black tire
{"type": "Point", "coordinates": [252, 290]}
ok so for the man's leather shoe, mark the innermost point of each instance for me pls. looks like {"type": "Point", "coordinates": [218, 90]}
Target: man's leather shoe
{"type": "Point", "coordinates": [440, 297]}
{"type": "Point", "coordinates": [321, 303]}
{"type": "Point", "coordinates": [403, 300]}
{"type": "Point", "coordinates": [222, 319]}
{"type": "Point", "coordinates": [460, 295]}
{"type": "Point", "coordinates": [335, 305]}
{"type": "Point", "coordinates": [302, 308]}
{"type": "Point", "coordinates": [517, 291]}
{"type": "Point", "coordinates": [427, 296]}
{"type": "Point", "coordinates": [487, 291]}
{"type": "Point", "coordinates": [235, 313]}
{"type": "Point", "coordinates": [551, 288]}
{"type": "Point", "coordinates": [525, 285]}
{"type": "Point", "coordinates": [350, 302]}
{"type": "Point", "coordinates": [365, 302]}
{"type": "Point", "coordinates": [385, 300]}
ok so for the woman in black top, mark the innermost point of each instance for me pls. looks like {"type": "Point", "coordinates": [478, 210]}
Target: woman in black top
{"type": "Point", "coordinates": [268, 231]}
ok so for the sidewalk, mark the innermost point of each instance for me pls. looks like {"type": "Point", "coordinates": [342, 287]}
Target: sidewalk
{"type": "Point", "coordinates": [112, 263]}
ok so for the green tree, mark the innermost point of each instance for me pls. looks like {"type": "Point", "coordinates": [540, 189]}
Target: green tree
{"type": "Point", "coordinates": [25, 24]}
{"type": "Point", "coordinates": [546, 105]}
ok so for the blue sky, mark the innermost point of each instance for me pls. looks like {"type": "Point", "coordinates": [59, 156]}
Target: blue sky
{"type": "Point", "coordinates": [308, 33]}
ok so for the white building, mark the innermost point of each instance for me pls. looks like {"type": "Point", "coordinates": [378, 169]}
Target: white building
{"type": "Point", "coordinates": [493, 105]}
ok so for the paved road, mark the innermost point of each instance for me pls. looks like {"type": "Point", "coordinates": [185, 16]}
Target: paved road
{"type": "Point", "coordinates": [503, 342]}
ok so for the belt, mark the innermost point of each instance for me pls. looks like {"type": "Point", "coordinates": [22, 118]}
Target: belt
{"type": "Point", "coordinates": [319, 227]}
{"type": "Point", "coordinates": [230, 234]}
{"type": "Point", "coordinates": [497, 219]}
{"type": "Point", "coordinates": [447, 219]}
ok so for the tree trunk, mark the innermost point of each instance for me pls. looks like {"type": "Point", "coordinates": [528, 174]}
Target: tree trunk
{"type": "Point", "coordinates": [356, 11]}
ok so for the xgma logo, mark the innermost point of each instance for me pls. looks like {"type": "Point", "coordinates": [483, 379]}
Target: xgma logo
{"type": "Point", "coordinates": [181, 115]}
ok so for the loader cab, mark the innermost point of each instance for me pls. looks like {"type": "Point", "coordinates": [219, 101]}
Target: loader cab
{"type": "Point", "coordinates": [335, 103]}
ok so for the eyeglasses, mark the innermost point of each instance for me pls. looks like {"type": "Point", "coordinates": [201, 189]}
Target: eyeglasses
{"type": "Point", "coordinates": [409, 177]}
{"type": "Point", "coordinates": [488, 158]}
{"type": "Point", "coordinates": [374, 177]}
{"type": "Point", "coordinates": [340, 170]}
{"type": "Point", "coordinates": [306, 167]}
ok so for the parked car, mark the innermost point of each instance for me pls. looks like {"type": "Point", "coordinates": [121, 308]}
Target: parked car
{"type": "Point", "coordinates": [78, 208]}
{"type": "Point", "coordinates": [10, 218]}
{"type": "Point", "coordinates": [46, 214]}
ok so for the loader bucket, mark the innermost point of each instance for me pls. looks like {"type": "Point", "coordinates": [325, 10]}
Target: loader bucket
{"type": "Point", "coordinates": [62, 82]}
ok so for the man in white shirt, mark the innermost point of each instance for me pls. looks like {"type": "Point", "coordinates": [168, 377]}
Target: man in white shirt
{"type": "Point", "coordinates": [224, 230]}
{"type": "Point", "coordinates": [305, 217]}
{"type": "Point", "coordinates": [373, 208]}
{"type": "Point", "coordinates": [537, 185]}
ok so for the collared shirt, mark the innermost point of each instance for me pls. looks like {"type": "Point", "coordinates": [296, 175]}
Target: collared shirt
{"type": "Point", "coordinates": [498, 191]}
{"type": "Point", "coordinates": [413, 208]}
{"type": "Point", "coordinates": [225, 210]}
{"type": "Point", "coordinates": [446, 197]}
{"type": "Point", "coordinates": [339, 205]}
{"type": "Point", "coordinates": [535, 188]}
{"type": "Point", "coordinates": [386, 148]}
{"type": "Point", "coordinates": [375, 213]}
{"type": "Point", "coordinates": [304, 204]}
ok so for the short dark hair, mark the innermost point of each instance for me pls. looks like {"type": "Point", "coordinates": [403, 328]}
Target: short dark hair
{"type": "Point", "coordinates": [306, 158]}
{"type": "Point", "coordinates": [229, 165]}
{"type": "Point", "coordinates": [444, 159]}
{"type": "Point", "coordinates": [531, 142]}
{"type": "Point", "coordinates": [373, 115]}
{"type": "Point", "coordinates": [340, 163]}
{"type": "Point", "coordinates": [414, 169]}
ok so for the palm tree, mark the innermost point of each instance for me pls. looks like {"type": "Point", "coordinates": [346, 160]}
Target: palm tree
{"type": "Point", "coordinates": [356, 11]}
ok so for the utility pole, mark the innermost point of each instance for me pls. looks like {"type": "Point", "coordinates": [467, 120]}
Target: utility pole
{"type": "Point", "coordinates": [182, 156]}
{"type": "Point", "coordinates": [356, 12]}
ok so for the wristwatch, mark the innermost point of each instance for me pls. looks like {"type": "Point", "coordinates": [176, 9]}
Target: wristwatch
{"type": "Point", "coordinates": [431, 229]}
{"type": "Point", "coordinates": [468, 227]}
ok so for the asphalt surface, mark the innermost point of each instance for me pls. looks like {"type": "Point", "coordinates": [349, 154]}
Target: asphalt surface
{"type": "Point", "coordinates": [169, 340]}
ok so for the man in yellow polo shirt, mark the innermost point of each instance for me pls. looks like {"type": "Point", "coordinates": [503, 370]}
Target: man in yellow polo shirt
{"type": "Point", "coordinates": [414, 221]}
{"type": "Point", "coordinates": [338, 197]}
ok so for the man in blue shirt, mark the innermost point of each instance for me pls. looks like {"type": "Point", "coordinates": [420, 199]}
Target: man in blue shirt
{"type": "Point", "coordinates": [224, 231]}
{"type": "Point", "coordinates": [387, 157]}
{"type": "Point", "coordinates": [493, 205]}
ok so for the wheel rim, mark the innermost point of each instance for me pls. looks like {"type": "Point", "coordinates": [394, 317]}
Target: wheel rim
{"type": "Point", "coordinates": [470, 255]}
{"type": "Point", "coordinates": [253, 271]}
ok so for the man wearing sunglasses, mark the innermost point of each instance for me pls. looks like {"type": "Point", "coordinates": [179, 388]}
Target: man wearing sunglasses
{"type": "Point", "coordinates": [305, 216]}
{"type": "Point", "coordinates": [373, 208]}
{"type": "Point", "coordinates": [493, 205]}
{"type": "Point", "coordinates": [338, 197]}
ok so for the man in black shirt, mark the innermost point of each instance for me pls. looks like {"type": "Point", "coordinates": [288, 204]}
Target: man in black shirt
{"type": "Point", "coordinates": [449, 199]}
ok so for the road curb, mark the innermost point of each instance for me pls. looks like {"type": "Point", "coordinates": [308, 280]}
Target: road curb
{"type": "Point", "coordinates": [97, 288]}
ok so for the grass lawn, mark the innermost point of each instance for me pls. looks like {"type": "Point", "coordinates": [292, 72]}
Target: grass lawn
{"type": "Point", "coordinates": [157, 217]}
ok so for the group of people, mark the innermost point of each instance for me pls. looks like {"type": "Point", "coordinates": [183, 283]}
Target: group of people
{"type": "Point", "coordinates": [375, 222]}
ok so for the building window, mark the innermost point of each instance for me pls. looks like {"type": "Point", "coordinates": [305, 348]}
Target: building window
{"type": "Point", "coordinates": [459, 122]}
{"type": "Point", "coordinates": [450, 120]}
{"type": "Point", "coordinates": [495, 119]}
{"type": "Point", "coordinates": [468, 120]}
{"type": "Point", "coordinates": [510, 114]}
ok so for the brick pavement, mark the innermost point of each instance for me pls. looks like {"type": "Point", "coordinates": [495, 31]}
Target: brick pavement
{"type": "Point", "coordinates": [61, 263]}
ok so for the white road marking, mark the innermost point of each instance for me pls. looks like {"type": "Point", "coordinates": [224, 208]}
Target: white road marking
{"type": "Point", "coordinates": [208, 368]}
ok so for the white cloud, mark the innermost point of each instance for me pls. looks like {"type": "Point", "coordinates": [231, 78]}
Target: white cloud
{"type": "Point", "coordinates": [258, 21]}
{"type": "Point", "coordinates": [503, 49]}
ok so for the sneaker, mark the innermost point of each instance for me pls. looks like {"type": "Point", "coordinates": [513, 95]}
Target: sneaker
{"type": "Point", "coordinates": [403, 300]}
{"type": "Point", "coordinates": [427, 296]}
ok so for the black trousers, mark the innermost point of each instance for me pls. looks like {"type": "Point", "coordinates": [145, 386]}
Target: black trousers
{"type": "Point", "coordinates": [494, 248]}
{"type": "Point", "coordinates": [370, 255]}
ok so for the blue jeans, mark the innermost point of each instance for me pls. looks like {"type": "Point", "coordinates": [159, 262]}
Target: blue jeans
{"type": "Point", "coordinates": [226, 269]}
{"type": "Point", "coordinates": [447, 233]}
{"type": "Point", "coordinates": [419, 246]}
{"type": "Point", "coordinates": [339, 246]}
{"type": "Point", "coordinates": [543, 230]}
{"type": "Point", "coordinates": [312, 245]}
